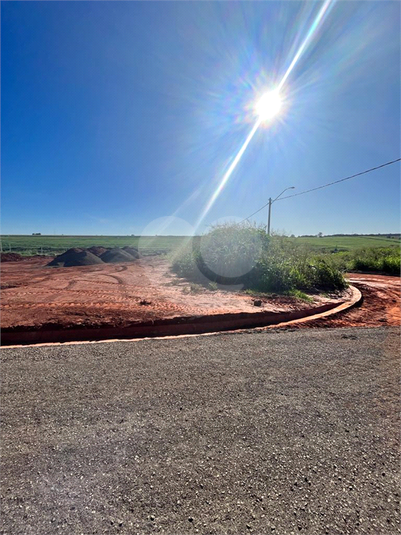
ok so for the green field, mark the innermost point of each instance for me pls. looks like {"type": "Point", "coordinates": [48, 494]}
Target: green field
{"type": "Point", "coordinates": [52, 245]}
{"type": "Point", "coordinates": [32, 245]}
{"type": "Point", "coordinates": [346, 243]}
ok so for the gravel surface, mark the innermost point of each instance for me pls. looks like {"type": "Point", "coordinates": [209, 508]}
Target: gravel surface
{"type": "Point", "coordinates": [271, 432]}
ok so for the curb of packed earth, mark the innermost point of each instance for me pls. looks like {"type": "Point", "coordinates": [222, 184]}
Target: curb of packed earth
{"type": "Point", "coordinates": [178, 325]}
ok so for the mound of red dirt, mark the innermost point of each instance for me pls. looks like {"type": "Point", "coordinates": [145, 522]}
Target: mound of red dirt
{"type": "Point", "coordinates": [97, 250]}
{"type": "Point", "coordinates": [116, 255]}
{"type": "Point", "coordinates": [133, 251]}
{"type": "Point", "coordinates": [10, 257]}
{"type": "Point", "coordinates": [75, 257]}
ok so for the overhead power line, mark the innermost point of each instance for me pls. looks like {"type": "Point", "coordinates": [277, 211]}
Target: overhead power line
{"type": "Point", "coordinates": [326, 185]}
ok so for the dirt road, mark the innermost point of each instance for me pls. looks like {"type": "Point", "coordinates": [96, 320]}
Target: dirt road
{"type": "Point", "coordinates": [381, 304]}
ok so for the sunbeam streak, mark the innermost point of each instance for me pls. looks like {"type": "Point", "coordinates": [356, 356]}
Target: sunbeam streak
{"type": "Point", "coordinates": [312, 30]}
{"type": "Point", "coordinates": [324, 10]}
{"type": "Point", "coordinates": [228, 173]}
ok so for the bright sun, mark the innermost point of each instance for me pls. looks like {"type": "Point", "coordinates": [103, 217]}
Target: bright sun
{"type": "Point", "coordinates": [269, 105]}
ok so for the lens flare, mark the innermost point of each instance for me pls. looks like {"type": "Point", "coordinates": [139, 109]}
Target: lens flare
{"type": "Point", "coordinates": [228, 173]}
{"type": "Point", "coordinates": [320, 17]}
{"type": "Point", "coordinates": [270, 104]}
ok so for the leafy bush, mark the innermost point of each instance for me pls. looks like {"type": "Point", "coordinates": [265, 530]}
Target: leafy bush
{"type": "Point", "coordinates": [226, 255]}
{"type": "Point", "coordinates": [283, 276]}
{"type": "Point", "coordinates": [230, 251]}
{"type": "Point", "coordinates": [381, 259]}
{"type": "Point", "coordinates": [184, 263]}
{"type": "Point", "coordinates": [391, 264]}
{"type": "Point", "coordinates": [233, 254]}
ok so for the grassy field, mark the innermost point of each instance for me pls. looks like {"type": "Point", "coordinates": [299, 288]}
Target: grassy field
{"type": "Point", "coordinates": [32, 245]}
{"type": "Point", "coordinates": [346, 243]}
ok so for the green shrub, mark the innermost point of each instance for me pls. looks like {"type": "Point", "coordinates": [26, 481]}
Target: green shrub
{"type": "Point", "coordinates": [284, 276]}
{"type": "Point", "coordinates": [184, 264]}
{"type": "Point", "coordinates": [391, 265]}
{"type": "Point", "coordinates": [195, 288]}
{"type": "Point", "coordinates": [327, 277]}
{"type": "Point", "coordinates": [379, 259]}
{"type": "Point", "coordinates": [271, 276]}
{"type": "Point", "coordinates": [225, 255]}
{"type": "Point", "coordinates": [229, 252]}
{"type": "Point", "coordinates": [233, 254]}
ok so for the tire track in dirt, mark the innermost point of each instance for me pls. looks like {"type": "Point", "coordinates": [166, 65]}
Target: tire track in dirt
{"type": "Point", "coordinates": [140, 291]}
{"type": "Point", "coordinates": [121, 284]}
{"type": "Point", "coordinates": [118, 279]}
{"type": "Point", "coordinates": [381, 305]}
{"type": "Point", "coordinates": [107, 300]}
{"type": "Point", "coordinates": [60, 305]}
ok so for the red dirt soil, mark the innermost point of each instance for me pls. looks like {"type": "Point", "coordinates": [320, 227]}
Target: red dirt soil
{"type": "Point", "coordinates": [381, 304]}
{"type": "Point", "coordinates": [116, 295]}
{"type": "Point", "coordinates": [10, 257]}
{"type": "Point", "coordinates": [34, 295]}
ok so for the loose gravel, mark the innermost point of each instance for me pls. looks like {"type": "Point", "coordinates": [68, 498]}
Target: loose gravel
{"type": "Point", "coordinates": [271, 432]}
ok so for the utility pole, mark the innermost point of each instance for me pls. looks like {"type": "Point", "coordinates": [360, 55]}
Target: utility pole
{"type": "Point", "coordinates": [270, 208]}
{"type": "Point", "coordinates": [269, 216]}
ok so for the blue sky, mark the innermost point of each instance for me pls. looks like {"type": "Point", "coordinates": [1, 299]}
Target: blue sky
{"type": "Point", "coordinates": [118, 115]}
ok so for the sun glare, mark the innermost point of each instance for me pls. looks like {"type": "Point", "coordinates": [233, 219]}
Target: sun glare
{"type": "Point", "coordinates": [269, 105]}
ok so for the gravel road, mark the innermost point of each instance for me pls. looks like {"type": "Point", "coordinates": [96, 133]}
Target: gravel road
{"type": "Point", "coordinates": [259, 432]}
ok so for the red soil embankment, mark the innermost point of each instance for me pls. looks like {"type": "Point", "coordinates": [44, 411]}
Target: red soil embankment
{"type": "Point", "coordinates": [144, 298]}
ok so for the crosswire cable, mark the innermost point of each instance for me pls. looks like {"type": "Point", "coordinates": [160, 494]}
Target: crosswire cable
{"type": "Point", "coordinates": [325, 185]}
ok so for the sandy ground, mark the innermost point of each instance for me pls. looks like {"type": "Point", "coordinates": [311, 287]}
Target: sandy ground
{"type": "Point", "coordinates": [116, 294]}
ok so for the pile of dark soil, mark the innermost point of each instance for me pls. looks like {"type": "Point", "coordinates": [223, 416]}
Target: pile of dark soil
{"type": "Point", "coordinates": [97, 250]}
{"type": "Point", "coordinates": [133, 251]}
{"type": "Point", "coordinates": [116, 256]}
{"type": "Point", "coordinates": [95, 255]}
{"type": "Point", "coordinates": [75, 257]}
{"type": "Point", "coordinates": [10, 257]}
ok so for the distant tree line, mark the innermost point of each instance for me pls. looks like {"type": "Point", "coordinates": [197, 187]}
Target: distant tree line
{"type": "Point", "coordinates": [378, 235]}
